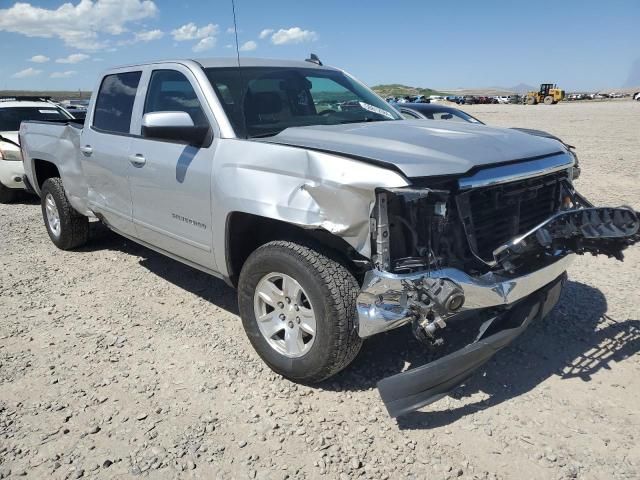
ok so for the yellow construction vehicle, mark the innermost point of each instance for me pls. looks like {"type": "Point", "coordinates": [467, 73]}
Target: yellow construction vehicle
{"type": "Point", "coordinates": [548, 94]}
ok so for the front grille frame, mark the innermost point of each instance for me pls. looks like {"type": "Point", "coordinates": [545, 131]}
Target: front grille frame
{"type": "Point", "coordinates": [493, 215]}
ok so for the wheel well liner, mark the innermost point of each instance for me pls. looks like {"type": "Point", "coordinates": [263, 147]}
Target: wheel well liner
{"type": "Point", "coordinates": [44, 170]}
{"type": "Point", "coordinates": [245, 232]}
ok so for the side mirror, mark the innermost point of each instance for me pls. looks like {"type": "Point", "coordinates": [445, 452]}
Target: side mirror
{"type": "Point", "coordinates": [174, 126]}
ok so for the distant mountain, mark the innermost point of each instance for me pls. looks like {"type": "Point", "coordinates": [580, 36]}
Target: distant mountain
{"type": "Point", "coordinates": [398, 90]}
{"type": "Point", "coordinates": [490, 91]}
{"type": "Point", "coordinates": [523, 88]}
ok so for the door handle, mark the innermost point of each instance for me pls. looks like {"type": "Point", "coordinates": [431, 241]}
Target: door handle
{"type": "Point", "coordinates": [86, 150]}
{"type": "Point", "coordinates": [137, 160]}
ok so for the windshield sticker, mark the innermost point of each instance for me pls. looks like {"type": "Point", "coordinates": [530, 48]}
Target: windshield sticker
{"type": "Point", "coordinates": [377, 110]}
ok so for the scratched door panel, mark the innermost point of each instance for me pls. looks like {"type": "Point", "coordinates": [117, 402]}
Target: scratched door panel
{"type": "Point", "coordinates": [172, 198]}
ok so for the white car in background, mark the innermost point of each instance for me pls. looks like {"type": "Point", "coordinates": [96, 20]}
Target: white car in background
{"type": "Point", "coordinates": [14, 110]}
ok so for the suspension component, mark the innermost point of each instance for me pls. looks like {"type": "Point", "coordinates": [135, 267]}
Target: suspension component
{"type": "Point", "coordinates": [432, 301]}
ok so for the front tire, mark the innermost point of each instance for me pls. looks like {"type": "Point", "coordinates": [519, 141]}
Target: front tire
{"type": "Point", "coordinates": [298, 308]}
{"type": "Point", "coordinates": [67, 228]}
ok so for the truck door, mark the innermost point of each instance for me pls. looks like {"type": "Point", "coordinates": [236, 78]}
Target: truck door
{"type": "Point", "coordinates": [105, 146]}
{"type": "Point", "coordinates": [170, 179]}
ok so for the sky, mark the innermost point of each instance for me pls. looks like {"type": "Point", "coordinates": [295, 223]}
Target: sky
{"type": "Point", "coordinates": [581, 45]}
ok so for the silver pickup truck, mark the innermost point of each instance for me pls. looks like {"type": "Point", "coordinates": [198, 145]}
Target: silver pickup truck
{"type": "Point", "coordinates": [335, 218]}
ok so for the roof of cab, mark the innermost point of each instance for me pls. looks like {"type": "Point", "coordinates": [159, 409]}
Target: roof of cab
{"type": "Point", "coordinates": [223, 62]}
{"type": "Point", "coordinates": [256, 62]}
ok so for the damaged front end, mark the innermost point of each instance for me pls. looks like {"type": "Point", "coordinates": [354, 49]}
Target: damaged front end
{"type": "Point", "coordinates": [494, 245]}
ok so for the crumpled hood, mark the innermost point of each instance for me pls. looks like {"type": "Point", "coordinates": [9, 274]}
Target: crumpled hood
{"type": "Point", "coordinates": [420, 148]}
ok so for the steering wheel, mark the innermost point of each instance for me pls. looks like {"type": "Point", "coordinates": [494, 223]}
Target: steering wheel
{"type": "Point", "coordinates": [327, 112]}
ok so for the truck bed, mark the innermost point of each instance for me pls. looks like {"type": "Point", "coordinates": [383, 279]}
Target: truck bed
{"type": "Point", "coordinates": [56, 142]}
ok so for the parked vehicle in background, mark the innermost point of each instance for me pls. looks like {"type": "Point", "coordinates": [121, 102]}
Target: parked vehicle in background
{"type": "Point", "coordinates": [14, 110]}
{"type": "Point", "coordinates": [467, 100]}
{"type": "Point", "coordinates": [434, 111]}
{"type": "Point", "coordinates": [79, 114]}
{"type": "Point", "coordinates": [507, 99]}
{"type": "Point", "coordinates": [78, 108]}
{"type": "Point", "coordinates": [418, 99]}
{"type": "Point", "coordinates": [335, 225]}
{"type": "Point", "coordinates": [636, 96]}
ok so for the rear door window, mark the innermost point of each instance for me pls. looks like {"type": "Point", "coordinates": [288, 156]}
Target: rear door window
{"type": "Point", "coordinates": [114, 103]}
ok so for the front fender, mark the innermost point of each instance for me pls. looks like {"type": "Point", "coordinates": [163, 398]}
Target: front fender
{"type": "Point", "coordinates": [306, 188]}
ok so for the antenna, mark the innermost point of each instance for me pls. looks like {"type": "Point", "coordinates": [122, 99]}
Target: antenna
{"type": "Point", "coordinates": [313, 58]}
{"type": "Point", "coordinates": [235, 30]}
{"type": "Point", "coordinates": [242, 95]}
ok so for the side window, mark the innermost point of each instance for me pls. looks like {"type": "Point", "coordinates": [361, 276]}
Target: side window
{"type": "Point", "coordinates": [171, 91]}
{"type": "Point", "coordinates": [115, 102]}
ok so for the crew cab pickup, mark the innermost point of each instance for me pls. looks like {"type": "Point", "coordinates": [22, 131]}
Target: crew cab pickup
{"type": "Point", "coordinates": [334, 217]}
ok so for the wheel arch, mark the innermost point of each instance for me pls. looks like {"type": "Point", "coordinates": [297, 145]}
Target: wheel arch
{"type": "Point", "coordinates": [245, 232]}
{"type": "Point", "coordinates": [43, 170]}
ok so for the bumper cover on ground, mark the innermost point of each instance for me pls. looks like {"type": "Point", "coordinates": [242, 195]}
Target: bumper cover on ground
{"type": "Point", "coordinates": [408, 391]}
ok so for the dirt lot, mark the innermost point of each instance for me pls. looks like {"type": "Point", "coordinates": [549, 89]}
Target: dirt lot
{"type": "Point", "coordinates": [117, 362]}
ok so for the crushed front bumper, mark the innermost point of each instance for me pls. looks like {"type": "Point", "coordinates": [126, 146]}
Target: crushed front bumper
{"type": "Point", "coordinates": [431, 299]}
{"type": "Point", "coordinates": [385, 299]}
{"type": "Point", "coordinates": [413, 389]}
{"type": "Point", "coordinates": [382, 303]}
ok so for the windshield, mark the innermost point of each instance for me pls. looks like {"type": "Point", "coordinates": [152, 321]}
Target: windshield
{"type": "Point", "coordinates": [263, 101]}
{"type": "Point", "coordinates": [11, 117]}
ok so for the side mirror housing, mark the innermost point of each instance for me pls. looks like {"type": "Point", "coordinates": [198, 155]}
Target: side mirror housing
{"type": "Point", "coordinates": [174, 126]}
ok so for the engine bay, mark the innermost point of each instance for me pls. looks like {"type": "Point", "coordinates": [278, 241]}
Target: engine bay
{"type": "Point", "coordinates": [511, 228]}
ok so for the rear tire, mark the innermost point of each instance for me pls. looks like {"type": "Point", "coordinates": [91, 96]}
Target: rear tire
{"type": "Point", "coordinates": [67, 228]}
{"type": "Point", "coordinates": [8, 195]}
{"type": "Point", "coordinates": [329, 292]}
{"type": "Point", "coordinates": [548, 100]}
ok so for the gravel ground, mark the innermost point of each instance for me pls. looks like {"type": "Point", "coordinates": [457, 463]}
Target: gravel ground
{"type": "Point", "coordinates": [117, 362]}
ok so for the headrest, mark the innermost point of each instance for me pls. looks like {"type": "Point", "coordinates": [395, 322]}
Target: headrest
{"type": "Point", "coordinates": [266, 103]}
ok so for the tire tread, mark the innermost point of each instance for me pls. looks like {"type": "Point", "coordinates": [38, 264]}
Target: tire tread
{"type": "Point", "coordinates": [343, 291]}
{"type": "Point", "coordinates": [74, 226]}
